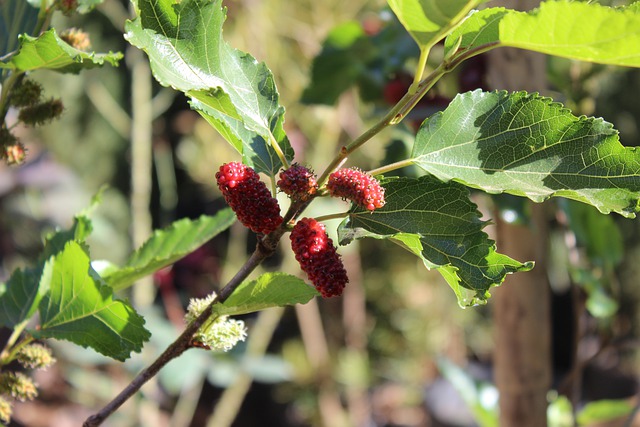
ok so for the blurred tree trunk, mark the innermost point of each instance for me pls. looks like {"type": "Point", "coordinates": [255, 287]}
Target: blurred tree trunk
{"type": "Point", "coordinates": [522, 305]}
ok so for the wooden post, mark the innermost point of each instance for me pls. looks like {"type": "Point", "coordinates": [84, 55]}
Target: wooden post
{"type": "Point", "coordinates": [522, 354]}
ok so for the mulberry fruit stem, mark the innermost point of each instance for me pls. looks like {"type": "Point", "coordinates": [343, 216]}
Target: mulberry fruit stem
{"type": "Point", "coordinates": [276, 147]}
{"type": "Point", "coordinates": [393, 116]}
{"type": "Point", "coordinates": [391, 167]}
{"type": "Point", "coordinates": [265, 248]}
{"type": "Point", "coordinates": [339, 215]}
{"type": "Point", "coordinates": [11, 349]}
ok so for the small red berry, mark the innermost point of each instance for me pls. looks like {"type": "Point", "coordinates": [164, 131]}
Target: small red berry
{"type": "Point", "coordinates": [298, 182]}
{"type": "Point", "coordinates": [318, 257]}
{"type": "Point", "coordinates": [249, 197]}
{"type": "Point", "coordinates": [357, 186]}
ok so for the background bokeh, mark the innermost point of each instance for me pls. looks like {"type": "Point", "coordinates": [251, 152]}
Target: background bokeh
{"type": "Point", "coordinates": [389, 352]}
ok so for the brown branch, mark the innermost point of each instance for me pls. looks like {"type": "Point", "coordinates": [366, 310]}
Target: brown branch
{"type": "Point", "coordinates": [265, 248]}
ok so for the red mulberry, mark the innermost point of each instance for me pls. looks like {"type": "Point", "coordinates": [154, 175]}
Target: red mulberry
{"type": "Point", "coordinates": [357, 186]}
{"type": "Point", "coordinates": [249, 197]}
{"type": "Point", "coordinates": [318, 258]}
{"type": "Point", "coordinates": [298, 182]}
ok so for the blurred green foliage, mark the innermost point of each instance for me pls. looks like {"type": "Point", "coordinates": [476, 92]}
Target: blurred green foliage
{"type": "Point", "coordinates": [411, 317]}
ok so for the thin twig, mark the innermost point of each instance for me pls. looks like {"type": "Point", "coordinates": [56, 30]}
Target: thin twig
{"type": "Point", "coordinates": [182, 343]}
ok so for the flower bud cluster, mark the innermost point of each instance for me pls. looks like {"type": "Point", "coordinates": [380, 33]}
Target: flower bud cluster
{"type": "Point", "coordinates": [18, 385]}
{"type": "Point", "coordinates": [249, 197]}
{"type": "Point", "coordinates": [5, 411]}
{"type": "Point", "coordinates": [35, 356]}
{"type": "Point", "coordinates": [220, 334]}
{"type": "Point", "coordinates": [317, 257]}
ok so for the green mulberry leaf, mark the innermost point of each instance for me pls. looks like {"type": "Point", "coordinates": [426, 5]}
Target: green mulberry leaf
{"type": "Point", "coordinates": [79, 307]}
{"type": "Point", "coordinates": [428, 20]}
{"type": "Point", "coordinates": [527, 145]}
{"type": "Point", "coordinates": [229, 88]}
{"type": "Point", "coordinates": [437, 222]}
{"type": "Point", "coordinates": [49, 51]}
{"type": "Point", "coordinates": [167, 246]}
{"type": "Point", "coordinates": [268, 290]}
{"type": "Point", "coordinates": [21, 295]}
{"type": "Point", "coordinates": [584, 31]}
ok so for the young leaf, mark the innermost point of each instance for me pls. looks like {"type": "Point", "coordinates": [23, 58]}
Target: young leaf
{"type": "Point", "coordinates": [79, 231]}
{"type": "Point", "coordinates": [427, 20]}
{"type": "Point", "coordinates": [168, 245]}
{"type": "Point", "coordinates": [21, 295]}
{"type": "Point", "coordinates": [603, 411]}
{"type": "Point", "coordinates": [232, 90]}
{"type": "Point", "coordinates": [79, 308]}
{"type": "Point", "coordinates": [527, 145]}
{"type": "Point", "coordinates": [49, 51]}
{"type": "Point", "coordinates": [437, 222]}
{"type": "Point", "coordinates": [584, 31]}
{"type": "Point", "coordinates": [268, 290]}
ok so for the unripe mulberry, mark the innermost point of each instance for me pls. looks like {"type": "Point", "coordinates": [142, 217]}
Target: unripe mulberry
{"type": "Point", "coordinates": [41, 113]}
{"type": "Point", "coordinates": [318, 257]}
{"type": "Point", "coordinates": [357, 186]}
{"type": "Point", "coordinates": [249, 197]}
{"type": "Point", "coordinates": [28, 92]}
{"type": "Point", "coordinates": [298, 182]}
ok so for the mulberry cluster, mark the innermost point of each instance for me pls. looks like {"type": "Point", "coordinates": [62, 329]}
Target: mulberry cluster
{"type": "Point", "coordinates": [249, 197]}
{"type": "Point", "coordinates": [298, 182]}
{"type": "Point", "coordinates": [318, 258]}
{"type": "Point", "coordinates": [217, 333]}
{"type": "Point", "coordinates": [18, 385]}
{"type": "Point", "coordinates": [357, 186]}
{"type": "Point", "coordinates": [35, 356]}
